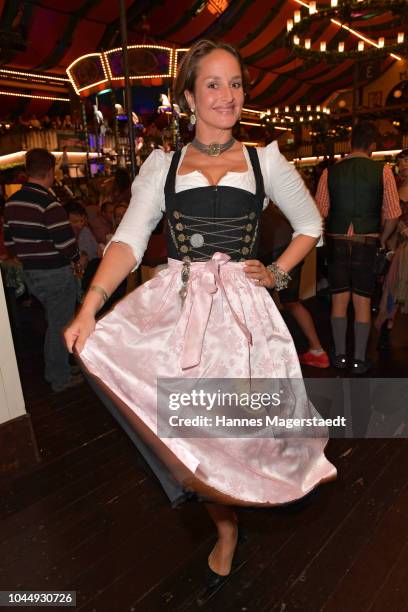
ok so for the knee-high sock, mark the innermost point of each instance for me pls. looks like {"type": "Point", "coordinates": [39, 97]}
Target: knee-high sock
{"type": "Point", "coordinates": [361, 333]}
{"type": "Point", "coordinates": [339, 328]}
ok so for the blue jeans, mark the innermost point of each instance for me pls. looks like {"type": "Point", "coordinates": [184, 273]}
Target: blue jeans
{"type": "Point", "coordinates": [56, 290]}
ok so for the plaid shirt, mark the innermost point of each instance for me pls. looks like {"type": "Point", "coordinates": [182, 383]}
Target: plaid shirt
{"type": "Point", "coordinates": [391, 208]}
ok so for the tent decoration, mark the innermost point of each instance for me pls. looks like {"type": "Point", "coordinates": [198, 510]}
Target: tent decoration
{"type": "Point", "coordinates": [57, 34]}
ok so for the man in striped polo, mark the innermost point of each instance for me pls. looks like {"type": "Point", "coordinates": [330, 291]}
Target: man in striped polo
{"type": "Point", "coordinates": [37, 231]}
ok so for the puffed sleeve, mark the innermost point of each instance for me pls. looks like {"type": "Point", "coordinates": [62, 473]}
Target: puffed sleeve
{"type": "Point", "coordinates": [146, 205]}
{"type": "Point", "coordinates": [285, 187]}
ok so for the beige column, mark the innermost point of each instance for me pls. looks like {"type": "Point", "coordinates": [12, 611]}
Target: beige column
{"type": "Point", "coordinates": [11, 395]}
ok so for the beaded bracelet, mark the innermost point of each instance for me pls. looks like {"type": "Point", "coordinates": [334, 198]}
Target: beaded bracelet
{"type": "Point", "coordinates": [282, 278]}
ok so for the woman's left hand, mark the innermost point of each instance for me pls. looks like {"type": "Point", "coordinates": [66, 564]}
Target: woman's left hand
{"type": "Point", "coordinates": [256, 271]}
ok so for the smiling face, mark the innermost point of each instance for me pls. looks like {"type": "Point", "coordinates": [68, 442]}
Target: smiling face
{"type": "Point", "coordinates": [218, 94]}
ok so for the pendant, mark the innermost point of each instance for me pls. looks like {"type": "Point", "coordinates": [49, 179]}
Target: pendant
{"type": "Point", "coordinates": [214, 149]}
{"type": "Point", "coordinates": [185, 274]}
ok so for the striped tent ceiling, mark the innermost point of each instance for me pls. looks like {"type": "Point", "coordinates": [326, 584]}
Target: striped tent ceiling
{"type": "Point", "coordinates": [47, 35]}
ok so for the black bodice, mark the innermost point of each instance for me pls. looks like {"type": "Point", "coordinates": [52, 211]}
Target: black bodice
{"type": "Point", "coordinates": [204, 220]}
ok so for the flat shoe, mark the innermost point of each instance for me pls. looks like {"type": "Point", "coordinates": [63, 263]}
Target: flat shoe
{"type": "Point", "coordinates": [214, 582]}
{"type": "Point", "coordinates": [339, 362]}
{"type": "Point", "coordinates": [316, 361]}
{"type": "Point", "coordinates": [360, 367]}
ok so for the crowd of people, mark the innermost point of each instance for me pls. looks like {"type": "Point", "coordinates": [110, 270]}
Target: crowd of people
{"type": "Point", "coordinates": [67, 122]}
{"type": "Point", "coordinates": [347, 263]}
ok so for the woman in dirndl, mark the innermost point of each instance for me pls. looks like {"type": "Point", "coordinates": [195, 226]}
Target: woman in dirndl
{"type": "Point", "coordinates": [208, 314]}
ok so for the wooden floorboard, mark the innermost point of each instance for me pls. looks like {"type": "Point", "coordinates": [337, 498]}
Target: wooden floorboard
{"type": "Point", "coordinates": [352, 532]}
{"type": "Point", "coordinates": [369, 568]}
{"type": "Point", "coordinates": [91, 517]}
{"type": "Point", "coordinates": [394, 593]}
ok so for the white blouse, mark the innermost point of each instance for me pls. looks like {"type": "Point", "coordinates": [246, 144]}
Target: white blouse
{"type": "Point", "coordinates": [282, 184]}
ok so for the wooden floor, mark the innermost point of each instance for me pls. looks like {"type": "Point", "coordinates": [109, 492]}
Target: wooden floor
{"type": "Point", "coordinates": [92, 518]}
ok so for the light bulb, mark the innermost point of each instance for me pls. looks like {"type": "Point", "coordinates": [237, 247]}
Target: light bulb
{"type": "Point", "coordinates": [289, 25]}
{"type": "Point", "coordinates": [323, 45]}
{"type": "Point", "coordinates": [361, 45]}
{"type": "Point", "coordinates": [308, 43]}
{"type": "Point", "coordinates": [341, 47]}
{"type": "Point", "coordinates": [296, 16]}
{"type": "Point", "coordinates": [381, 42]}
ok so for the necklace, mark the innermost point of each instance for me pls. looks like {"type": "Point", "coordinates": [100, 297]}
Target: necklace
{"type": "Point", "coordinates": [214, 148]}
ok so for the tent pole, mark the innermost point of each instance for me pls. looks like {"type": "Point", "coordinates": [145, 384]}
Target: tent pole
{"type": "Point", "coordinates": [86, 136]}
{"type": "Point", "coordinates": [128, 91]}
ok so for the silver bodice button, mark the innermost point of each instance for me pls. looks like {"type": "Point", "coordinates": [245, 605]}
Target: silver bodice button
{"type": "Point", "coordinates": [197, 240]}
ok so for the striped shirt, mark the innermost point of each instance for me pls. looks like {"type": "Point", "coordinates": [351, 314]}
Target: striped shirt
{"type": "Point", "coordinates": [37, 230]}
{"type": "Point", "coordinates": [390, 207]}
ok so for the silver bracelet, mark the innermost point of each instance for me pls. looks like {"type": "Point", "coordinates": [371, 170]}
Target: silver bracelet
{"type": "Point", "coordinates": [101, 292]}
{"type": "Point", "coordinates": [282, 278]}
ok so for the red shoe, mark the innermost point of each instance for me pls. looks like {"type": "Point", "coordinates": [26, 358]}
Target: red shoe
{"type": "Point", "coordinates": [316, 361]}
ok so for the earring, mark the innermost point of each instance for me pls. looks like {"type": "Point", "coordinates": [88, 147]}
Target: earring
{"type": "Point", "coordinates": [193, 118]}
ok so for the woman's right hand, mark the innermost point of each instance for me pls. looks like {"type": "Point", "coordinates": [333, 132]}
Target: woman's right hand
{"type": "Point", "coordinates": [78, 331]}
